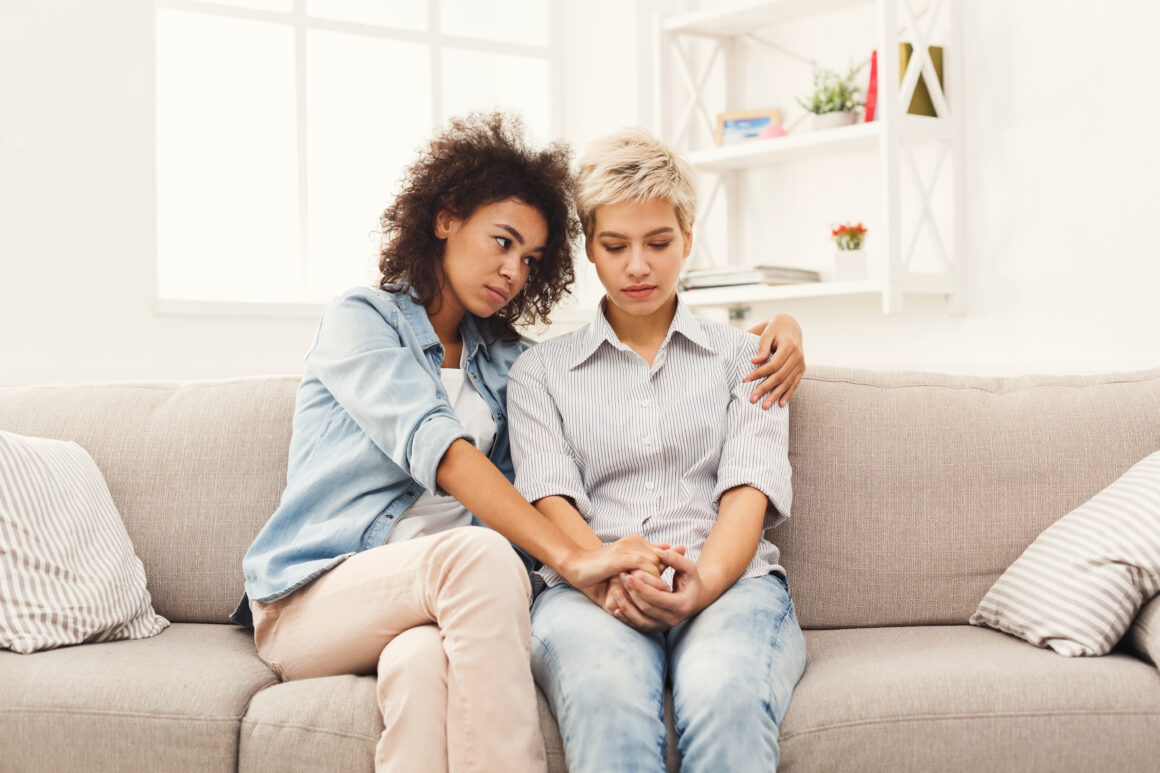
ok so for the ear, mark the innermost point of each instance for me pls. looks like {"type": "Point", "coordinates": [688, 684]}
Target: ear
{"type": "Point", "coordinates": [446, 223]}
{"type": "Point", "coordinates": [588, 249]}
{"type": "Point", "coordinates": [688, 241]}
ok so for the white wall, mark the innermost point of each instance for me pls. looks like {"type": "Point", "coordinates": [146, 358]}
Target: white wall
{"type": "Point", "coordinates": [1061, 193]}
{"type": "Point", "coordinates": [1062, 160]}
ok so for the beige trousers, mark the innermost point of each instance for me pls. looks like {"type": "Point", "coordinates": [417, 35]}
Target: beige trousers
{"type": "Point", "coordinates": [444, 621]}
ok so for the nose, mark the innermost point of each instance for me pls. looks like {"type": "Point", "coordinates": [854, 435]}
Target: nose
{"type": "Point", "coordinates": [637, 262]}
{"type": "Point", "coordinates": [510, 268]}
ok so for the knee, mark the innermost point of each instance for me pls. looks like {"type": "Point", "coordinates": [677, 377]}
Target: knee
{"type": "Point", "coordinates": [416, 656]}
{"type": "Point", "coordinates": [725, 698]}
{"type": "Point", "coordinates": [492, 562]}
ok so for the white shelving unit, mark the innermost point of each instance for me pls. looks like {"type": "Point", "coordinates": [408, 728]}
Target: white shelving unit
{"type": "Point", "coordinates": [893, 137]}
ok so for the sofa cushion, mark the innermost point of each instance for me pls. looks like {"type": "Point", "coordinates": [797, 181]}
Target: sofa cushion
{"type": "Point", "coordinates": [953, 698]}
{"type": "Point", "coordinates": [195, 470]}
{"type": "Point", "coordinates": [1143, 638]}
{"type": "Point", "coordinates": [1078, 586]}
{"type": "Point", "coordinates": [329, 723]}
{"type": "Point", "coordinates": [333, 723]}
{"type": "Point", "coordinates": [68, 573]}
{"type": "Point", "coordinates": [914, 492]}
{"type": "Point", "coordinates": [173, 702]}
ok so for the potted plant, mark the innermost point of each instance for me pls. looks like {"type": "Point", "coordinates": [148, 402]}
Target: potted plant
{"type": "Point", "coordinates": [836, 98]}
{"type": "Point", "coordinates": [849, 260]}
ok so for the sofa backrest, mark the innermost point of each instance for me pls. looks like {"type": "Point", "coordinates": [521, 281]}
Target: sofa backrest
{"type": "Point", "coordinates": [914, 492]}
{"type": "Point", "coordinates": [194, 468]}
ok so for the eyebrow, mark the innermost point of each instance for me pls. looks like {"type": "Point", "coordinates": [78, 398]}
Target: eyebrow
{"type": "Point", "coordinates": [516, 235]}
{"type": "Point", "coordinates": [654, 232]}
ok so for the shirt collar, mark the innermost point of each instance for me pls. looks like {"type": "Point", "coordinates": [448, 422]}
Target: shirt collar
{"type": "Point", "coordinates": [416, 316]}
{"type": "Point", "coordinates": [600, 331]}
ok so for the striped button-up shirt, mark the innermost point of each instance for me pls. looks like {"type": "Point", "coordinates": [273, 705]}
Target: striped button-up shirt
{"type": "Point", "coordinates": [648, 450]}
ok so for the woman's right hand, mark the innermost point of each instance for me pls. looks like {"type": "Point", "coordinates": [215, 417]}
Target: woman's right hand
{"type": "Point", "coordinates": [592, 565]}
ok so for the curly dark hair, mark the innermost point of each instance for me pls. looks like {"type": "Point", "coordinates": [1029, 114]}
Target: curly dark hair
{"type": "Point", "coordinates": [479, 159]}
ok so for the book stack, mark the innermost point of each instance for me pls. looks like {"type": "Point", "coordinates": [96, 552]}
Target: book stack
{"type": "Point", "coordinates": [756, 275]}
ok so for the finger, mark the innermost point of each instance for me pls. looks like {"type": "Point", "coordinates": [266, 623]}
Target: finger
{"type": "Point", "coordinates": [774, 395]}
{"type": "Point", "coordinates": [764, 344]}
{"type": "Point", "coordinates": [770, 365]}
{"type": "Point", "coordinates": [792, 388]}
{"type": "Point", "coordinates": [678, 561]}
{"type": "Point", "coordinates": [658, 604]}
{"type": "Point", "coordinates": [646, 579]}
{"type": "Point", "coordinates": [771, 382]}
{"type": "Point", "coordinates": [632, 615]}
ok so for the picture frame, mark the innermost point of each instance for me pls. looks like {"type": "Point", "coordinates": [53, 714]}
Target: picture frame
{"type": "Point", "coordinates": [741, 125]}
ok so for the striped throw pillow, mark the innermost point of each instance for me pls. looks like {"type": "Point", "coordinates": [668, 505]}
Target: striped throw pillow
{"type": "Point", "coordinates": [68, 573]}
{"type": "Point", "coordinates": [1078, 586]}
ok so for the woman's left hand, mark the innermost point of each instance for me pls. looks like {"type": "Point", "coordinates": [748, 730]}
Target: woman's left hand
{"type": "Point", "coordinates": [784, 370]}
{"type": "Point", "coordinates": [655, 603]}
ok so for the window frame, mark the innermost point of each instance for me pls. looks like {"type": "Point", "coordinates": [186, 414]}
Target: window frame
{"type": "Point", "coordinates": [301, 22]}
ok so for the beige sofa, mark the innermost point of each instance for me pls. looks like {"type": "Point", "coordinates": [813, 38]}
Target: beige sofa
{"type": "Point", "coordinates": [912, 493]}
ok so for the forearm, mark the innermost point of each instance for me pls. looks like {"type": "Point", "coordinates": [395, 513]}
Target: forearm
{"type": "Point", "coordinates": [560, 511]}
{"type": "Point", "coordinates": [471, 478]}
{"type": "Point", "coordinates": [733, 540]}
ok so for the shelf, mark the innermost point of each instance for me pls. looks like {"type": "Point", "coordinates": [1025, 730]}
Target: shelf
{"type": "Point", "coordinates": [904, 174]}
{"type": "Point", "coordinates": [845, 139]}
{"type": "Point", "coordinates": [745, 155]}
{"type": "Point", "coordinates": [738, 295]}
{"type": "Point", "coordinates": [739, 21]}
{"type": "Point", "coordinates": [741, 294]}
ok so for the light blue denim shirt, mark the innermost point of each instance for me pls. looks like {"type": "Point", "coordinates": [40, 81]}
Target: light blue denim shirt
{"type": "Point", "coordinates": [372, 421]}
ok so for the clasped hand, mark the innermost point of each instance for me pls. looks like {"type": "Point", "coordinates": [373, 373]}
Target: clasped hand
{"type": "Point", "coordinates": [645, 602]}
{"type": "Point", "coordinates": [595, 566]}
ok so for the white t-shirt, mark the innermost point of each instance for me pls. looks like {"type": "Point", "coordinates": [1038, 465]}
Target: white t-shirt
{"type": "Point", "coordinates": [433, 513]}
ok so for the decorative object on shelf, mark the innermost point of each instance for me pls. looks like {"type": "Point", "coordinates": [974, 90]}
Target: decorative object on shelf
{"type": "Point", "coordinates": [872, 89]}
{"type": "Point", "coordinates": [835, 100]}
{"type": "Point", "coordinates": [758, 275]}
{"type": "Point", "coordinates": [921, 103]}
{"type": "Point", "coordinates": [772, 131]}
{"type": "Point", "coordinates": [849, 259]}
{"type": "Point", "coordinates": [742, 125]}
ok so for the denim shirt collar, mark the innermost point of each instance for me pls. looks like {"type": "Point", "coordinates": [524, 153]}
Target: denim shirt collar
{"type": "Point", "coordinates": [416, 316]}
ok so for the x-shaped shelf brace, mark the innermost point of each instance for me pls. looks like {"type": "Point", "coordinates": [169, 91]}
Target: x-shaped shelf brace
{"type": "Point", "coordinates": [704, 256]}
{"type": "Point", "coordinates": [926, 218]}
{"type": "Point", "coordinates": [696, 87]}
{"type": "Point", "coordinates": [920, 61]}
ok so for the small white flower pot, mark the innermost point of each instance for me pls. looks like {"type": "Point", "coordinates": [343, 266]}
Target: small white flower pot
{"type": "Point", "coordinates": [849, 265]}
{"type": "Point", "coordinates": [833, 120]}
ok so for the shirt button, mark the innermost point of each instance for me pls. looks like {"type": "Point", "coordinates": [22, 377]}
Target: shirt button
{"type": "Point", "coordinates": [648, 441]}
{"type": "Point", "coordinates": [649, 485]}
{"type": "Point", "coordinates": [644, 403]}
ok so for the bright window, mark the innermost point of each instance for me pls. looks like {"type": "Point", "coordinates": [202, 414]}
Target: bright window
{"type": "Point", "coordinates": [283, 128]}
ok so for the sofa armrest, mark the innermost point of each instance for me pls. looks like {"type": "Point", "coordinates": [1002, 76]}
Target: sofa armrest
{"type": "Point", "coordinates": [1143, 638]}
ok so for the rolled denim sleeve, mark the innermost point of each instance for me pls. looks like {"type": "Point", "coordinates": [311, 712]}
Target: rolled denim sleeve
{"type": "Point", "coordinates": [756, 449]}
{"type": "Point", "coordinates": [544, 464]}
{"type": "Point", "coordinates": [359, 357]}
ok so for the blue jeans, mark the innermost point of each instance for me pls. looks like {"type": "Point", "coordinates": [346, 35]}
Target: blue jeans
{"type": "Point", "coordinates": [732, 668]}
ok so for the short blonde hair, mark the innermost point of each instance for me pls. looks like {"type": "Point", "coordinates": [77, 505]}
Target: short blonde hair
{"type": "Point", "coordinates": [633, 165]}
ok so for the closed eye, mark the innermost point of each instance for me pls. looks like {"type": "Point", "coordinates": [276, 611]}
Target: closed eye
{"type": "Point", "coordinates": [661, 245]}
{"type": "Point", "coordinates": [613, 247]}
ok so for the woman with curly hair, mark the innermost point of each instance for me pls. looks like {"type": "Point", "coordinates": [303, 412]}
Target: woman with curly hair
{"type": "Point", "coordinates": [372, 562]}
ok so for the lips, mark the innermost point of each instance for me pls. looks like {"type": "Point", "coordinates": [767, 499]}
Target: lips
{"type": "Point", "coordinates": [639, 291]}
{"type": "Point", "coordinates": [497, 293]}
